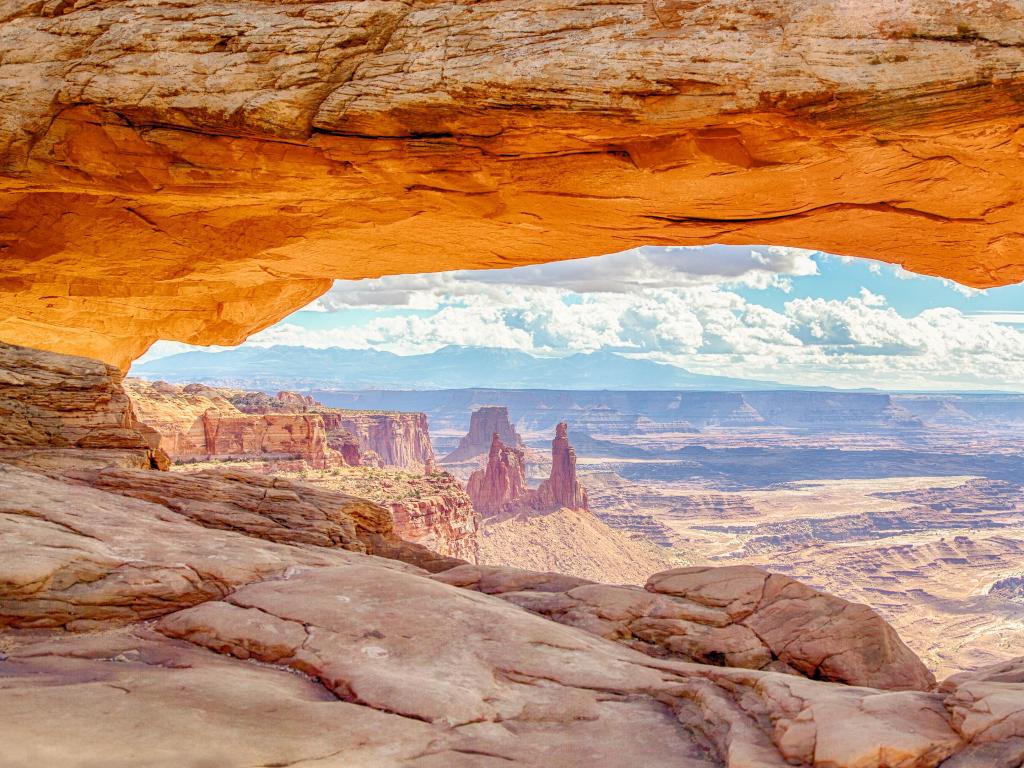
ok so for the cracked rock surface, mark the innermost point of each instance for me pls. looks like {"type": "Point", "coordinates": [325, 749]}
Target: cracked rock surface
{"type": "Point", "coordinates": [384, 664]}
{"type": "Point", "coordinates": [735, 616]}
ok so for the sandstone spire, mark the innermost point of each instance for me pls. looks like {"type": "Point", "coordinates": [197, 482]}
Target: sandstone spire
{"type": "Point", "coordinates": [561, 489]}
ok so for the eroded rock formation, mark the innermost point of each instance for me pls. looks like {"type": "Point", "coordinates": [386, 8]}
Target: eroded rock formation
{"type": "Point", "coordinates": [264, 150]}
{"type": "Point", "coordinates": [429, 509]}
{"type": "Point", "coordinates": [440, 517]}
{"type": "Point", "coordinates": [60, 408]}
{"type": "Point", "coordinates": [202, 423]}
{"type": "Point", "coordinates": [735, 616]}
{"type": "Point", "coordinates": [500, 487]}
{"type": "Point", "coordinates": [196, 421]}
{"type": "Point", "coordinates": [438, 670]}
{"type": "Point", "coordinates": [395, 439]}
{"type": "Point", "coordinates": [561, 489]}
{"type": "Point", "coordinates": [485, 423]}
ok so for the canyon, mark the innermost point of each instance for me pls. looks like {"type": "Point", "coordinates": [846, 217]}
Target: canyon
{"type": "Point", "coordinates": [907, 502]}
{"type": "Point", "coordinates": [228, 577]}
{"type": "Point", "coordinates": [132, 591]}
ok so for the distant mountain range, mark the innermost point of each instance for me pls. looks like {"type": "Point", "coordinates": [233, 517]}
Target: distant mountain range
{"type": "Point", "coordinates": [452, 367]}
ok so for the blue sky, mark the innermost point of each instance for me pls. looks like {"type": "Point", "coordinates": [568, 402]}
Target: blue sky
{"type": "Point", "coordinates": [766, 312]}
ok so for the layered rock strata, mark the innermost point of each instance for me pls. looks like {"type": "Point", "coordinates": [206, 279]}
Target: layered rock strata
{"type": "Point", "coordinates": [394, 439]}
{"type": "Point", "coordinates": [389, 438]}
{"type": "Point", "coordinates": [407, 670]}
{"type": "Point", "coordinates": [440, 517]}
{"type": "Point", "coordinates": [264, 151]}
{"type": "Point", "coordinates": [432, 509]}
{"type": "Point", "coordinates": [59, 408]}
{"type": "Point", "coordinates": [196, 422]}
{"type": "Point", "coordinates": [561, 489]}
{"type": "Point", "coordinates": [734, 616]}
{"type": "Point", "coordinates": [412, 669]}
{"type": "Point", "coordinates": [176, 578]}
{"type": "Point", "coordinates": [484, 423]}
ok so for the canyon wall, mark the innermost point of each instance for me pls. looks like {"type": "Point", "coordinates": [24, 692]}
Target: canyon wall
{"type": "Point", "coordinates": [391, 439]}
{"type": "Point", "coordinates": [335, 143]}
{"type": "Point", "coordinates": [196, 421]}
{"type": "Point", "coordinates": [639, 412]}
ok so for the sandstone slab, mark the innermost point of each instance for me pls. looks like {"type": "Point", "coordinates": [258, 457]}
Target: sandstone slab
{"type": "Point", "coordinates": [79, 557]}
{"type": "Point", "coordinates": [736, 616]}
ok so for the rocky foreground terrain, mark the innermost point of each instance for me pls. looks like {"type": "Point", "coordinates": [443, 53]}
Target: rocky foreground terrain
{"type": "Point", "coordinates": [235, 619]}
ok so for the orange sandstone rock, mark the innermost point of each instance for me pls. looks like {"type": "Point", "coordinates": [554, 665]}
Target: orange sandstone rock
{"type": "Point", "coordinates": [185, 172]}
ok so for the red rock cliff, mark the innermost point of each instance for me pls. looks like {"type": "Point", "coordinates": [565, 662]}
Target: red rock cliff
{"type": "Point", "coordinates": [441, 517]}
{"type": "Point", "coordinates": [500, 487]}
{"type": "Point", "coordinates": [483, 423]}
{"type": "Point", "coordinates": [385, 438]}
{"type": "Point", "coordinates": [200, 422]}
{"type": "Point", "coordinates": [399, 439]}
{"type": "Point", "coordinates": [270, 435]}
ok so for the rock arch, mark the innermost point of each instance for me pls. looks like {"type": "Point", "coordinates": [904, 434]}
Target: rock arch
{"type": "Point", "coordinates": [194, 173]}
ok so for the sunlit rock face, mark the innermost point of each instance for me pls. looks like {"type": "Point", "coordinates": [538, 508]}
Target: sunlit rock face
{"type": "Point", "coordinates": [500, 486]}
{"type": "Point", "coordinates": [562, 489]}
{"type": "Point", "coordinates": [60, 411]}
{"type": "Point", "coordinates": [195, 170]}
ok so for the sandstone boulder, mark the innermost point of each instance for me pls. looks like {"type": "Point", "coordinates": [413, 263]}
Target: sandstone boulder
{"type": "Point", "coordinates": [987, 710]}
{"type": "Point", "coordinates": [521, 689]}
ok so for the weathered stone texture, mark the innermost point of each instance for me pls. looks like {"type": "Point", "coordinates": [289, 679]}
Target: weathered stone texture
{"type": "Point", "coordinates": [197, 170]}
